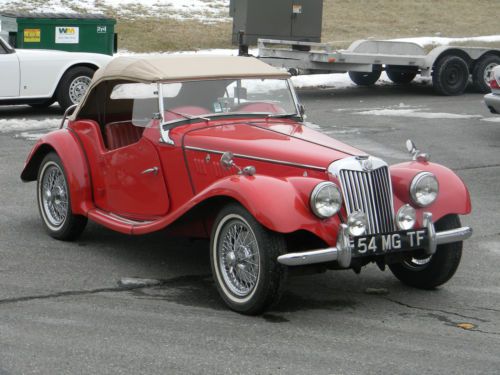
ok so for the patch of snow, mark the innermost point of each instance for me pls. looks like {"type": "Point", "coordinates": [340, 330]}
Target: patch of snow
{"type": "Point", "coordinates": [207, 11]}
{"type": "Point", "coordinates": [27, 126]}
{"type": "Point", "coordinates": [491, 119]}
{"type": "Point", "coordinates": [430, 40]}
{"type": "Point", "coordinates": [416, 113]}
{"type": "Point", "coordinates": [13, 125]}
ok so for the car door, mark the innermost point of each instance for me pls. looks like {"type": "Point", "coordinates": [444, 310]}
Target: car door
{"type": "Point", "coordinates": [134, 182]}
{"type": "Point", "coordinates": [9, 73]}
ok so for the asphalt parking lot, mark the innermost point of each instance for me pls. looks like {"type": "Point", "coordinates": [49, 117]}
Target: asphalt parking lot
{"type": "Point", "coordinates": [63, 310]}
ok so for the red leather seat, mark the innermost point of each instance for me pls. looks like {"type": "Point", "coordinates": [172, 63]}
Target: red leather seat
{"type": "Point", "coordinates": [120, 134]}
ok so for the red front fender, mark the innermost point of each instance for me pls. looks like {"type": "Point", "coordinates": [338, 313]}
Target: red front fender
{"type": "Point", "coordinates": [67, 147]}
{"type": "Point", "coordinates": [279, 204]}
{"type": "Point", "coordinates": [453, 195]}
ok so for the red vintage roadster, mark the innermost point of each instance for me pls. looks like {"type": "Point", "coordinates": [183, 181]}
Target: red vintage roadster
{"type": "Point", "coordinates": [216, 147]}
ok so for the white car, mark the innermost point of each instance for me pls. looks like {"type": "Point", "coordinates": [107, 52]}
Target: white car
{"type": "Point", "coordinates": [41, 77]}
{"type": "Point", "coordinates": [492, 100]}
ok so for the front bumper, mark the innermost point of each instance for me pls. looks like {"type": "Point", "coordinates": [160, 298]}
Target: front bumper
{"type": "Point", "coordinates": [492, 101]}
{"type": "Point", "coordinates": [342, 253]}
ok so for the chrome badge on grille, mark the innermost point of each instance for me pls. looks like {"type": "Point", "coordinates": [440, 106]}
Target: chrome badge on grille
{"type": "Point", "coordinates": [365, 161]}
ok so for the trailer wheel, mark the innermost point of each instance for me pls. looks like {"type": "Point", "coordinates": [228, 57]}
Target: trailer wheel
{"type": "Point", "coordinates": [399, 75]}
{"type": "Point", "coordinates": [450, 76]}
{"type": "Point", "coordinates": [481, 74]}
{"type": "Point", "coordinates": [364, 78]}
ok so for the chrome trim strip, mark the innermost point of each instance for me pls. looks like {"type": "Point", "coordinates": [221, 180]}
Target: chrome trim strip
{"type": "Point", "coordinates": [257, 158]}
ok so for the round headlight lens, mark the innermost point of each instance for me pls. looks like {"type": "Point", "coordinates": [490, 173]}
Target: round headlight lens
{"type": "Point", "coordinates": [326, 199]}
{"type": "Point", "coordinates": [424, 189]}
{"type": "Point", "coordinates": [405, 217]}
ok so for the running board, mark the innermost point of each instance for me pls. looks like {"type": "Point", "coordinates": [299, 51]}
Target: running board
{"type": "Point", "coordinates": [116, 222]}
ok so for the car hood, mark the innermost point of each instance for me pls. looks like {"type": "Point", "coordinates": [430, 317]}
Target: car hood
{"type": "Point", "coordinates": [287, 142]}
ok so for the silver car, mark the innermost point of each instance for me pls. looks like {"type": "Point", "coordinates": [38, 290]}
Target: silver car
{"type": "Point", "coordinates": [492, 100]}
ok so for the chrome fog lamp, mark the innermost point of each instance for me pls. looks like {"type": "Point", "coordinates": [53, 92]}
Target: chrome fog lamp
{"type": "Point", "coordinates": [405, 218]}
{"type": "Point", "coordinates": [424, 189]}
{"type": "Point", "coordinates": [356, 223]}
{"type": "Point", "coordinates": [325, 200]}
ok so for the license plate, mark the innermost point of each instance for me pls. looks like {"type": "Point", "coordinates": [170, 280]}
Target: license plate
{"type": "Point", "coordinates": [389, 242]}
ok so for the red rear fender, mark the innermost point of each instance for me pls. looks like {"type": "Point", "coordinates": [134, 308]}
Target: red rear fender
{"type": "Point", "coordinates": [67, 147]}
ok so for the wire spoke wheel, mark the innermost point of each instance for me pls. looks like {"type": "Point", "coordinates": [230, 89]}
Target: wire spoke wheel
{"type": "Point", "coordinates": [54, 201]}
{"type": "Point", "coordinates": [54, 195]}
{"type": "Point", "coordinates": [243, 257]}
{"type": "Point", "coordinates": [239, 257]}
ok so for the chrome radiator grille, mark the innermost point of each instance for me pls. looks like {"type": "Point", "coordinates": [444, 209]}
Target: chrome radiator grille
{"type": "Point", "coordinates": [369, 192]}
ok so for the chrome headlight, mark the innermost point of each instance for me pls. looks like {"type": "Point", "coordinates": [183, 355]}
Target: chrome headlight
{"type": "Point", "coordinates": [326, 200]}
{"type": "Point", "coordinates": [406, 217]}
{"type": "Point", "coordinates": [424, 189]}
{"type": "Point", "coordinates": [356, 223]}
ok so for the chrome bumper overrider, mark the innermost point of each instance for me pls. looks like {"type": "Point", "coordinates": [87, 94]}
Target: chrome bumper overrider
{"type": "Point", "coordinates": [342, 253]}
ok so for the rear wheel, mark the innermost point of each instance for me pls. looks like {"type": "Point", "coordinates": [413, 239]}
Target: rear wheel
{"type": "Point", "coordinates": [243, 257]}
{"type": "Point", "coordinates": [73, 85]}
{"type": "Point", "coordinates": [54, 201]}
{"type": "Point", "coordinates": [366, 78]}
{"type": "Point", "coordinates": [450, 75]}
{"type": "Point", "coordinates": [430, 271]}
{"type": "Point", "coordinates": [481, 74]}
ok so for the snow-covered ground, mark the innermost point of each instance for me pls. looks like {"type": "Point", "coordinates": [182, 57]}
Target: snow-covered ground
{"type": "Point", "coordinates": [202, 10]}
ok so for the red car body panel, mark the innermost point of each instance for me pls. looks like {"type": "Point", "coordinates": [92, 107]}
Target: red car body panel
{"type": "Point", "coordinates": [66, 145]}
{"type": "Point", "coordinates": [290, 160]}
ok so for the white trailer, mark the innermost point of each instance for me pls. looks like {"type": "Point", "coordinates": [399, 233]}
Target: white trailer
{"type": "Point", "coordinates": [451, 68]}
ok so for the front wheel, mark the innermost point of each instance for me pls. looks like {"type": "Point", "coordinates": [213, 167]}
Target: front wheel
{"type": "Point", "coordinates": [54, 201]}
{"type": "Point", "coordinates": [428, 272]}
{"type": "Point", "coordinates": [243, 258]}
{"type": "Point", "coordinates": [73, 86]}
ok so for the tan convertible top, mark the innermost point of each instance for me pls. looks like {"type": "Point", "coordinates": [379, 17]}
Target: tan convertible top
{"type": "Point", "coordinates": [175, 68]}
{"type": "Point", "coordinates": [185, 67]}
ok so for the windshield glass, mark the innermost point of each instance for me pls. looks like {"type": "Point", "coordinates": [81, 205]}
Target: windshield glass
{"type": "Point", "coordinates": [138, 102]}
{"type": "Point", "coordinates": [227, 97]}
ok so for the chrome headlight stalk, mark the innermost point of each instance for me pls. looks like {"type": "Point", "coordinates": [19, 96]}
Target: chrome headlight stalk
{"type": "Point", "coordinates": [406, 217]}
{"type": "Point", "coordinates": [325, 200]}
{"type": "Point", "coordinates": [424, 189]}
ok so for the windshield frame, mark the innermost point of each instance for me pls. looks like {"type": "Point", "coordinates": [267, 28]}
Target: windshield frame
{"type": "Point", "coordinates": [166, 126]}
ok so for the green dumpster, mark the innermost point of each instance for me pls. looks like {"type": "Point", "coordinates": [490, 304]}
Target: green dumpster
{"type": "Point", "coordinates": [61, 31]}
